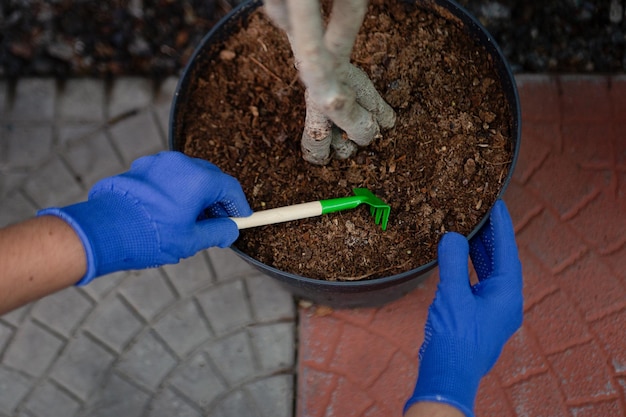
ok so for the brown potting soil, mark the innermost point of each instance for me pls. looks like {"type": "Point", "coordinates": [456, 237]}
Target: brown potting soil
{"type": "Point", "coordinates": [440, 168]}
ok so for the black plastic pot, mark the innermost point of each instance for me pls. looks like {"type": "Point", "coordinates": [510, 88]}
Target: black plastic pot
{"type": "Point", "coordinates": [365, 293]}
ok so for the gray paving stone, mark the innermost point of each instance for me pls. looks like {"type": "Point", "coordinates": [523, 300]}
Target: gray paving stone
{"type": "Point", "coordinates": [190, 275]}
{"type": "Point", "coordinates": [15, 208]}
{"type": "Point", "coordinates": [3, 98]}
{"type": "Point", "coordinates": [270, 301]}
{"type": "Point", "coordinates": [3, 191]}
{"type": "Point", "coordinates": [148, 292]}
{"type": "Point", "coordinates": [228, 265]}
{"type": "Point", "coordinates": [13, 388]}
{"type": "Point", "coordinates": [49, 400]}
{"type": "Point", "coordinates": [28, 146]}
{"type": "Point", "coordinates": [117, 398]}
{"type": "Point", "coordinates": [233, 357]}
{"type": "Point", "coordinates": [82, 99]}
{"type": "Point", "coordinates": [183, 328]}
{"type": "Point", "coordinates": [11, 181]}
{"type": "Point", "coordinates": [82, 366]}
{"type": "Point", "coordinates": [129, 94]}
{"type": "Point", "coordinates": [62, 311]}
{"type": "Point", "coordinates": [169, 404]}
{"type": "Point", "coordinates": [137, 136]}
{"type": "Point", "coordinates": [198, 381]}
{"type": "Point", "coordinates": [17, 316]}
{"type": "Point", "coordinates": [235, 405]}
{"type": "Point", "coordinates": [69, 133]}
{"type": "Point", "coordinates": [6, 333]}
{"type": "Point", "coordinates": [147, 361]}
{"type": "Point", "coordinates": [32, 350]}
{"type": "Point", "coordinates": [275, 345]}
{"type": "Point", "coordinates": [34, 100]}
{"type": "Point", "coordinates": [273, 396]}
{"type": "Point", "coordinates": [94, 159]}
{"type": "Point", "coordinates": [4, 150]}
{"type": "Point", "coordinates": [166, 91]}
{"type": "Point", "coordinates": [101, 287]}
{"type": "Point", "coordinates": [163, 103]}
{"type": "Point", "coordinates": [53, 185]}
{"type": "Point", "coordinates": [226, 306]}
{"type": "Point", "coordinates": [113, 323]}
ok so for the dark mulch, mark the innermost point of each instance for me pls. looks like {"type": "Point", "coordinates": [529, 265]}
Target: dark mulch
{"type": "Point", "coordinates": [156, 37]}
{"type": "Point", "coordinates": [102, 38]}
{"type": "Point", "coordinates": [557, 35]}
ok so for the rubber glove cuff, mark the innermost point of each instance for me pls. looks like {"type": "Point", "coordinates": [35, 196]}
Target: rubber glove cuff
{"type": "Point", "coordinates": [97, 223]}
{"type": "Point", "coordinates": [444, 375]}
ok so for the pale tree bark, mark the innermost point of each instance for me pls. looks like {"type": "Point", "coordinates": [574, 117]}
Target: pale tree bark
{"type": "Point", "coordinates": [340, 97]}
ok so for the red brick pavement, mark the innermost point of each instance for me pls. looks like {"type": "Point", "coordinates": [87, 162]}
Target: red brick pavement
{"type": "Point", "coordinates": [568, 203]}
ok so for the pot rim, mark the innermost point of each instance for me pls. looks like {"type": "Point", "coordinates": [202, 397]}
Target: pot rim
{"type": "Point", "coordinates": [507, 80]}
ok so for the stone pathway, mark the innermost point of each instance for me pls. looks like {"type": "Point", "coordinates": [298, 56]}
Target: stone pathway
{"type": "Point", "coordinates": [210, 336]}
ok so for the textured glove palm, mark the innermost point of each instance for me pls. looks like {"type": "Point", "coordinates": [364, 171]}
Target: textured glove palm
{"type": "Point", "coordinates": [156, 213]}
{"type": "Point", "coordinates": [467, 326]}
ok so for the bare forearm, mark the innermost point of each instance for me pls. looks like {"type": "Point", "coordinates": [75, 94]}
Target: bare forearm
{"type": "Point", "coordinates": [431, 409]}
{"type": "Point", "coordinates": [38, 257]}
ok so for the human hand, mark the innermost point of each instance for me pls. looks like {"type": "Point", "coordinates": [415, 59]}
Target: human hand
{"type": "Point", "coordinates": [166, 207]}
{"type": "Point", "coordinates": [467, 326]}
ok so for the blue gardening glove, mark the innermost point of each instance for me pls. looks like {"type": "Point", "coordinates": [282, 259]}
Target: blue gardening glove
{"type": "Point", "coordinates": [467, 326]}
{"type": "Point", "coordinates": [166, 207]}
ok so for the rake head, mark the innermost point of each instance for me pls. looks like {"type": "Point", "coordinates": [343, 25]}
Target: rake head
{"type": "Point", "coordinates": [378, 208]}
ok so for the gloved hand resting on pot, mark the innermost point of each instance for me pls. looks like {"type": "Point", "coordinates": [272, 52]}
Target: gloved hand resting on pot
{"type": "Point", "coordinates": [467, 326]}
{"type": "Point", "coordinates": [166, 207]}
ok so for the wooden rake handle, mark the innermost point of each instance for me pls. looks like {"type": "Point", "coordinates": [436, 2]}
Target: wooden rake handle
{"type": "Point", "coordinates": [280, 215]}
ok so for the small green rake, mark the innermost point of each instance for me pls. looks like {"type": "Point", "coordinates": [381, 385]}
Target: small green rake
{"type": "Point", "coordinates": [378, 209]}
